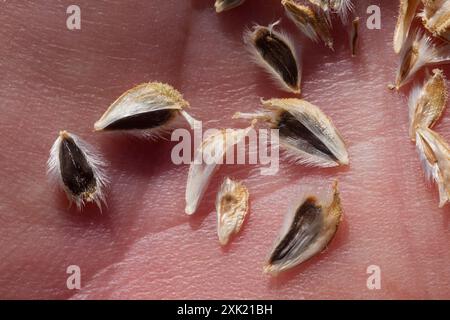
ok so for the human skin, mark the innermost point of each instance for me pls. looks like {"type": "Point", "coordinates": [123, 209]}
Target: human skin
{"type": "Point", "coordinates": [143, 245]}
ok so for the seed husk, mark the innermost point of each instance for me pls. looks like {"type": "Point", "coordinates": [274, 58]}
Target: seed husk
{"type": "Point", "coordinates": [206, 159]}
{"type": "Point", "coordinates": [313, 23]}
{"type": "Point", "coordinates": [407, 12]}
{"type": "Point", "coordinates": [275, 52]}
{"type": "Point", "coordinates": [78, 169]}
{"type": "Point", "coordinates": [306, 231]}
{"type": "Point", "coordinates": [341, 7]}
{"type": "Point", "coordinates": [147, 110]}
{"type": "Point", "coordinates": [436, 18]}
{"type": "Point", "coordinates": [427, 102]}
{"type": "Point", "coordinates": [231, 208]}
{"type": "Point", "coordinates": [430, 7]}
{"type": "Point", "coordinates": [434, 154]}
{"type": "Point", "coordinates": [322, 4]}
{"type": "Point", "coordinates": [306, 134]}
{"type": "Point", "coordinates": [224, 5]}
{"type": "Point", "coordinates": [418, 51]}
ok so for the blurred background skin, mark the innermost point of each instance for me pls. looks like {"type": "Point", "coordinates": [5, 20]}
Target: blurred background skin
{"type": "Point", "coordinates": [143, 245]}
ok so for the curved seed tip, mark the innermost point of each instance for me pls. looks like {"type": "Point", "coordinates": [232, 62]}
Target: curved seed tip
{"type": "Point", "coordinates": [223, 240]}
{"type": "Point", "coordinates": [193, 123]}
{"type": "Point", "coordinates": [64, 134]}
{"type": "Point", "coordinates": [224, 5]}
{"type": "Point", "coordinates": [344, 161]}
{"type": "Point", "coordinates": [296, 89]}
{"type": "Point", "coordinates": [269, 269]}
{"type": "Point", "coordinates": [189, 210]}
{"type": "Point", "coordinates": [97, 127]}
{"type": "Point", "coordinates": [391, 86]}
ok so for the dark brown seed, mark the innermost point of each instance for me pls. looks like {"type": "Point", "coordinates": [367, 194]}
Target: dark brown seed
{"type": "Point", "coordinates": [301, 137]}
{"type": "Point", "coordinates": [278, 55]}
{"type": "Point", "coordinates": [307, 231]}
{"type": "Point", "coordinates": [76, 173]}
{"type": "Point", "coordinates": [307, 217]}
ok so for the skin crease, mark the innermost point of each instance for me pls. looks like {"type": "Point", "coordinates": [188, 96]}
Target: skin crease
{"type": "Point", "coordinates": [143, 245]}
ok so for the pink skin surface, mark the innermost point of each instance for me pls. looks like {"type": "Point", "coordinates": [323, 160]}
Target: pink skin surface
{"type": "Point", "coordinates": [143, 245]}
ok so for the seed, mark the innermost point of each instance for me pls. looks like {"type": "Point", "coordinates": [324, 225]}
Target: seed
{"type": "Point", "coordinates": [435, 158]}
{"type": "Point", "coordinates": [206, 159]}
{"type": "Point", "coordinates": [430, 7]}
{"type": "Point", "coordinates": [341, 7]}
{"type": "Point", "coordinates": [306, 134]}
{"type": "Point", "coordinates": [147, 110]}
{"type": "Point", "coordinates": [224, 5]}
{"type": "Point", "coordinates": [307, 230]}
{"type": "Point", "coordinates": [436, 18]}
{"type": "Point", "coordinates": [427, 102]}
{"type": "Point", "coordinates": [418, 52]}
{"type": "Point", "coordinates": [313, 23]}
{"type": "Point", "coordinates": [354, 36]}
{"type": "Point", "coordinates": [275, 52]}
{"type": "Point", "coordinates": [78, 169]}
{"type": "Point", "coordinates": [231, 208]}
{"type": "Point", "coordinates": [407, 12]}
{"type": "Point", "coordinates": [322, 4]}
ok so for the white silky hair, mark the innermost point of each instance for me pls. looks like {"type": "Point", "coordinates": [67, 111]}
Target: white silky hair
{"type": "Point", "coordinates": [343, 8]}
{"type": "Point", "coordinates": [305, 113]}
{"type": "Point", "coordinates": [95, 161]}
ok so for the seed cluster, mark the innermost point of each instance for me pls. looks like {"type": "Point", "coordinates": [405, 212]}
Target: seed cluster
{"type": "Point", "coordinates": [426, 102]}
{"type": "Point", "coordinates": [307, 136]}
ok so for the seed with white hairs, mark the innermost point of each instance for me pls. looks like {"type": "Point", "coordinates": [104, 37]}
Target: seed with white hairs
{"type": "Point", "coordinates": [426, 103]}
{"type": "Point", "coordinates": [313, 23]}
{"type": "Point", "coordinates": [306, 134]}
{"type": "Point", "coordinates": [407, 12]}
{"type": "Point", "coordinates": [224, 5]}
{"type": "Point", "coordinates": [307, 230]}
{"type": "Point", "coordinates": [418, 52]}
{"type": "Point", "coordinates": [148, 110]}
{"type": "Point", "coordinates": [434, 154]}
{"type": "Point", "coordinates": [436, 18]}
{"type": "Point", "coordinates": [275, 52]}
{"type": "Point", "coordinates": [78, 169]}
